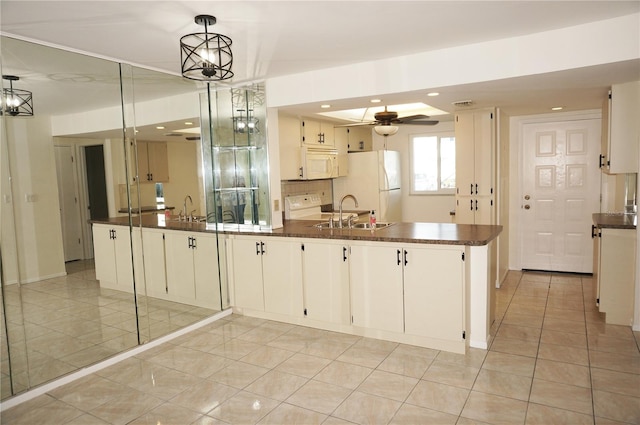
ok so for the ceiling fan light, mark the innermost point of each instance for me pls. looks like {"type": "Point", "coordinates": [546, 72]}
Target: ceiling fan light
{"type": "Point", "coordinates": [385, 130]}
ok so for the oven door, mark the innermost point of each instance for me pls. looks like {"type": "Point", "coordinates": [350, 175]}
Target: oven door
{"type": "Point", "coordinates": [319, 164]}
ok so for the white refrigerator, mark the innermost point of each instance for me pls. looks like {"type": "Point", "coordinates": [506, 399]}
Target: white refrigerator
{"type": "Point", "coordinates": [374, 179]}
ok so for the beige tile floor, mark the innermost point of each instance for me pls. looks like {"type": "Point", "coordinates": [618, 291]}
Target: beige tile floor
{"type": "Point", "coordinates": [59, 325]}
{"type": "Point", "coordinates": [553, 361]}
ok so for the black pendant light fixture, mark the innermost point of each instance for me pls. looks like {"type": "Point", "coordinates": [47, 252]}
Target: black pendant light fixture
{"type": "Point", "coordinates": [206, 56]}
{"type": "Point", "coordinates": [16, 102]}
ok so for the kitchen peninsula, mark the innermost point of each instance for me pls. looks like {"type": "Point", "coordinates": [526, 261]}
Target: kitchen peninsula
{"type": "Point", "coordinates": [426, 284]}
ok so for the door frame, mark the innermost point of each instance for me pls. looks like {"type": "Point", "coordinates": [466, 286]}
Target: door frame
{"type": "Point", "coordinates": [516, 136]}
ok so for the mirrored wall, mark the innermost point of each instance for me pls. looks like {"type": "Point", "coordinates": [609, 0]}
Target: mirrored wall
{"type": "Point", "coordinates": [106, 140]}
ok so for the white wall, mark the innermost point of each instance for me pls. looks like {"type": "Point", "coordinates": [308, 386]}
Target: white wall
{"type": "Point", "coordinates": [417, 208]}
{"type": "Point", "coordinates": [35, 198]}
{"type": "Point", "coordinates": [596, 43]}
{"type": "Point", "coordinates": [183, 177]}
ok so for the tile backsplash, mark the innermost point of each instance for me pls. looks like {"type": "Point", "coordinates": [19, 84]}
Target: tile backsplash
{"type": "Point", "coordinates": [323, 187]}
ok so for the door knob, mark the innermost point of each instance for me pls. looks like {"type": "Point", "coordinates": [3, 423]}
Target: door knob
{"type": "Point", "coordinates": [527, 197]}
{"type": "Point", "coordinates": [527, 206]}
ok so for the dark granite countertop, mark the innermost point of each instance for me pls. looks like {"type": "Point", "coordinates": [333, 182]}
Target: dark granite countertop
{"type": "Point", "coordinates": [145, 209]}
{"type": "Point", "coordinates": [428, 233]}
{"type": "Point", "coordinates": [615, 220]}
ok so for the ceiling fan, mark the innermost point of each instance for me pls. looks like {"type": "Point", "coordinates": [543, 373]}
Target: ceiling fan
{"type": "Point", "coordinates": [385, 122]}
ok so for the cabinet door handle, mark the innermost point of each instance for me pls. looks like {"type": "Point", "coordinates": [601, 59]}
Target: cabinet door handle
{"type": "Point", "coordinates": [257, 248]}
{"type": "Point", "coordinates": [476, 205]}
{"type": "Point", "coordinates": [594, 233]}
{"type": "Point", "coordinates": [344, 253]}
{"type": "Point", "coordinates": [300, 172]}
{"type": "Point", "coordinates": [476, 188]}
{"type": "Point", "coordinates": [600, 162]}
{"type": "Point", "coordinates": [406, 257]}
{"type": "Point", "coordinates": [151, 177]}
{"type": "Point", "coordinates": [471, 201]}
{"type": "Point", "coordinates": [262, 250]}
{"type": "Point", "coordinates": [194, 245]}
{"type": "Point", "coordinates": [471, 189]}
{"type": "Point", "coordinates": [398, 257]}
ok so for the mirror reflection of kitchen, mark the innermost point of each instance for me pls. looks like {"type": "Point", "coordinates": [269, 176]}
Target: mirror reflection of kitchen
{"type": "Point", "coordinates": [71, 154]}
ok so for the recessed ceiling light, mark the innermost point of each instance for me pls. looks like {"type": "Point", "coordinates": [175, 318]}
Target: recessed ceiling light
{"type": "Point", "coordinates": [376, 100]}
{"type": "Point", "coordinates": [188, 123]}
{"type": "Point", "coordinates": [325, 106]}
{"type": "Point", "coordinates": [433, 93]}
{"type": "Point", "coordinates": [160, 127]}
{"type": "Point", "coordinates": [557, 108]}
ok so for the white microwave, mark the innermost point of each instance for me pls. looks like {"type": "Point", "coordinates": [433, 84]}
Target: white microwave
{"type": "Point", "coordinates": [318, 163]}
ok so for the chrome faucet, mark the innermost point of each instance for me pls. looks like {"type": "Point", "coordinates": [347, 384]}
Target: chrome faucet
{"type": "Point", "coordinates": [184, 207]}
{"type": "Point", "coordinates": [341, 202]}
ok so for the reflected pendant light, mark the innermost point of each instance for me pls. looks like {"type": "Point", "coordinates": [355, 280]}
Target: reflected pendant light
{"type": "Point", "coordinates": [206, 56]}
{"type": "Point", "coordinates": [248, 124]}
{"type": "Point", "coordinates": [16, 102]}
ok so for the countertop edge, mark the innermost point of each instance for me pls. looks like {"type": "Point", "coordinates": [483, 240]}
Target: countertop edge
{"type": "Point", "coordinates": [419, 233]}
{"type": "Point", "coordinates": [614, 220]}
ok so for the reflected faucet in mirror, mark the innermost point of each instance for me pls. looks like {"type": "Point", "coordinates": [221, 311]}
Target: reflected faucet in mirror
{"type": "Point", "coordinates": [184, 207]}
{"type": "Point", "coordinates": [341, 202]}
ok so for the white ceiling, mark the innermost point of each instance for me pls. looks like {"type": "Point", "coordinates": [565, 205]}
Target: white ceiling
{"type": "Point", "coordinates": [275, 38]}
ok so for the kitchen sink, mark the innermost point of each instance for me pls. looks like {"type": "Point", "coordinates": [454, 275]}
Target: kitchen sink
{"type": "Point", "coordinates": [355, 226]}
{"type": "Point", "coordinates": [194, 219]}
{"type": "Point", "coordinates": [367, 226]}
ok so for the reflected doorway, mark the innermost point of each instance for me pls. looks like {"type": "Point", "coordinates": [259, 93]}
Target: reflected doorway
{"type": "Point", "coordinates": [70, 216]}
{"type": "Point", "coordinates": [96, 182]}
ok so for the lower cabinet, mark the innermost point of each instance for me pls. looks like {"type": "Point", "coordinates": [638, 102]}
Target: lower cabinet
{"type": "Point", "coordinates": [325, 281]}
{"type": "Point", "coordinates": [614, 266]}
{"type": "Point", "coordinates": [405, 288]}
{"type": "Point", "coordinates": [112, 253]}
{"type": "Point", "coordinates": [192, 271]}
{"type": "Point", "coordinates": [434, 292]}
{"type": "Point", "coordinates": [268, 275]}
{"type": "Point", "coordinates": [376, 287]}
{"type": "Point", "coordinates": [152, 263]}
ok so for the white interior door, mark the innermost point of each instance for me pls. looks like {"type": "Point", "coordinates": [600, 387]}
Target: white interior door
{"type": "Point", "coordinates": [560, 193]}
{"type": "Point", "coordinates": [69, 207]}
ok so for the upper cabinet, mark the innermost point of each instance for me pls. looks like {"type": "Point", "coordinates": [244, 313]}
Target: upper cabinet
{"type": "Point", "coordinates": [475, 167]}
{"type": "Point", "coordinates": [309, 147]}
{"type": "Point", "coordinates": [290, 159]}
{"type": "Point", "coordinates": [153, 162]}
{"type": "Point", "coordinates": [621, 129]}
{"type": "Point", "coordinates": [353, 139]}
{"type": "Point", "coordinates": [317, 133]}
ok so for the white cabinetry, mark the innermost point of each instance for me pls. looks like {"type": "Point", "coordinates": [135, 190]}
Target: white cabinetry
{"type": "Point", "coordinates": [325, 265]}
{"type": "Point", "coordinates": [376, 287]}
{"type": "Point", "coordinates": [153, 250]}
{"type": "Point", "coordinates": [475, 167]}
{"type": "Point", "coordinates": [192, 268]}
{"type": "Point", "coordinates": [267, 275]}
{"type": "Point", "coordinates": [290, 151]}
{"type": "Point", "coordinates": [112, 251]}
{"type": "Point", "coordinates": [433, 290]}
{"type": "Point", "coordinates": [153, 162]}
{"type": "Point", "coordinates": [621, 129]}
{"type": "Point", "coordinates": [615, 279]}
{"type": "Point", "coordinates": [317, 133]}
{"type": "Point", "coordinates": [409, 289]}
